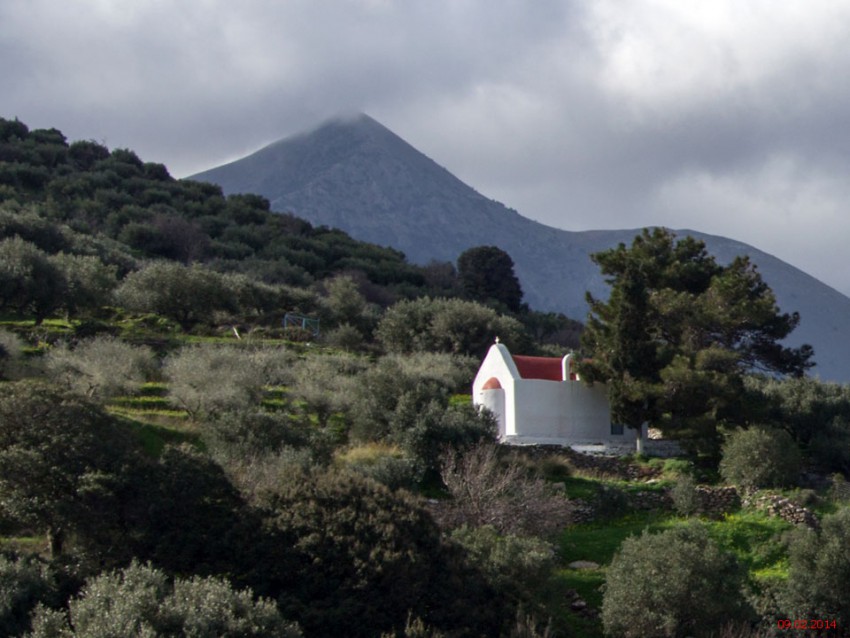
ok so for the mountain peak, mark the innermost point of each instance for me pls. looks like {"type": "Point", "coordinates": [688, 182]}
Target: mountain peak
{"type": "Point", "coordinates": [353, 173]}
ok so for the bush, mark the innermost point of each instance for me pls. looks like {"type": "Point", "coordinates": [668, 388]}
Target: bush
{"type": "Point", "coordinates": [11, 346]}
{"type": "Point", "coordinates": [674, 583]}
{"type": "Point", "coordinates": [820, 571]}
{"type": "Point", "coordinates": [140, 601]}
{"type": "Point", "coordinates": [487, 492]}
{"type": "Point", "coordinates": [685, 496]}
{"type": "Point", "coordinates": [249, 433]}
{"type": "Point", "coordinates": [448, 325]}
{"type": "Point", "coordinates": [390, 396]}
{"type": "Point", "coordinates": [384, 463]}
{"type": "Point", "coordinates": [427, 432]}
{"type": "Point", "coordinates": [515, 565]}
{"type": "Point", "coordinates": [759, 458]}
{"type": "Point", "coordinates": [24, 583]}
{"type": "Point", "coordinates": [373, 555]}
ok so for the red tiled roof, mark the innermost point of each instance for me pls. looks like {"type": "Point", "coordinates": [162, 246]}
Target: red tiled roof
{"type": "Point", "coordinates": [548, 368]}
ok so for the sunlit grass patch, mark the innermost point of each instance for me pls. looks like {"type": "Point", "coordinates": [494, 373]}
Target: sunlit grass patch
{"type": "Point", "coordinates": [24, 544]}
{"type": "Point", "coordinates": [142, 403]}
{"type": "Point", "coordinates": [598, 542]}
{"type": "Point", "coordinates": [756, 539]}
{"type": "Point", "coordinates": [368, 454]}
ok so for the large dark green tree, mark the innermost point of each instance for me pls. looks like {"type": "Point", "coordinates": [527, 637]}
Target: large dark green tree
{"type": "Point", "coordinates": [486, 274]}
{"type": "Point", "coordinates": [679, 332]}
{"type": "Point", "coordinates": [57, 452]}
{"type": "Point", "coordinates": [29, 282]}
{"type": "Point", "coordinates": [373, 555]}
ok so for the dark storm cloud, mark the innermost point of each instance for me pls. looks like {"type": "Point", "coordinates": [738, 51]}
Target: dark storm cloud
{"type": "Point", "coordinates": [729, 116]}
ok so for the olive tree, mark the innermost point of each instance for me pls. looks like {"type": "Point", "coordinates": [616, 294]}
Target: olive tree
{"type": "Point", "coordinates": [758, 457]}
{"type": "Point", "coordinates": [207, 380]}
{"type": "Point", "coordinates": [820, 570]}
{"type": "Point", "coordinates": [674, 583]}
{"type": "Point", "coordinates": [30, 283]}
{"type": "Point", "coordinates": [187, 294]}
{"type": "Point", "coordinates": [89, 282]}
{"type": "Point", "coordinates": [101, 366]}
{"type": "Point", "coordinates": [447, 325]}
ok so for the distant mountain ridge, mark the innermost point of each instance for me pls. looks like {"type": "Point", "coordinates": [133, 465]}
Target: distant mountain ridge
{"type": "Point", "coordinates": [357, 175]}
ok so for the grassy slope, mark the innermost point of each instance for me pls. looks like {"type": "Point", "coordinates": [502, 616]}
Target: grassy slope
{"type": "Point", "coordinates": [753, 537]}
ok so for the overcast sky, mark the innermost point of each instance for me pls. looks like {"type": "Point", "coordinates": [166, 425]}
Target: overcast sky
{"type": "Point", "coordinates": [731, 117]}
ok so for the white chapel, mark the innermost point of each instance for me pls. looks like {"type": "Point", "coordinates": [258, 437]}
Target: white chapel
{"type": "Point", "coordinates": [541, 400]}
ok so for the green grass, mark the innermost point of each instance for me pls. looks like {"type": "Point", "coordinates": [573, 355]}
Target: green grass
{"type": "Point", "coordinates": [24, 544]}
{"type": "Point", "coordinates": [578, 487]}
{"type": "Point", "coordinates": [756, 539]}
{"type": "Point", "coordinates": [142, 403]}
{"type": "Point", "coordinates": [596, 542]}
{"type": "Point", "coordinates": [154, 437]}
{"type": "Point", "coordinates": [154, 389]}
{"type": "Point", "coordinates": [460, 399]}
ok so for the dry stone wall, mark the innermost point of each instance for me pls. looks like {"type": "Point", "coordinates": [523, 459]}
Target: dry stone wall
{"type": "Point", "coordinates": [784, 508]}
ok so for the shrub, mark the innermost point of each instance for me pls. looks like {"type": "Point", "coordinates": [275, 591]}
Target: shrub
{"type": "Point", "coordinates": [820, 571]}
{"type": "Point", "coordinates": [101, 366]}
{"type": "Point", "coordinates": [373, 555]}
{"type": "Point", "coordinates": [140, 601]}
{"type": "Point", "coordinates": [487, 492]}
{"type": "Point", "coordinates": [685, 496]}
{"type": "Point", "coordinates": [390, 395]}
{"type": "Point", "coordinates": [384, 463]}
{"type": "Point", "coordinates": [10, 350]}
{"type": "Point", "coordinates": [257, 432]}
{"type": "Point", "coordinates": [674, 583]}
{"type": "Point", "coordinates": [515, 565]}
{"type": "Point", "coordinates": [758, 458]}
{"type": "Point", "coordinates": [24, 583]}
{"type": "Point", "coordinates": [426, 432]}
{"type": "Point", "coordinates": [180, 512]}
{"type": "Point", "coordinates": [447, 325]}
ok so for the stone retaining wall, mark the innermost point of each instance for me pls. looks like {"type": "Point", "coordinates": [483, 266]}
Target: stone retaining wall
{"type": "Point", "coordinates": [784, 508]}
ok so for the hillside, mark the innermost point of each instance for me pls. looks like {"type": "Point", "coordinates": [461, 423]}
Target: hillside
{"type": "Point", "coordinates": [356, 175]}
{"type": "Point", "coordinates": [151, 456]}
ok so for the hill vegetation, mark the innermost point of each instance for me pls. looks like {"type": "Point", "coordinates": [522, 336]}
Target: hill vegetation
{"type": "Point", "coordinates": [178, 460]}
